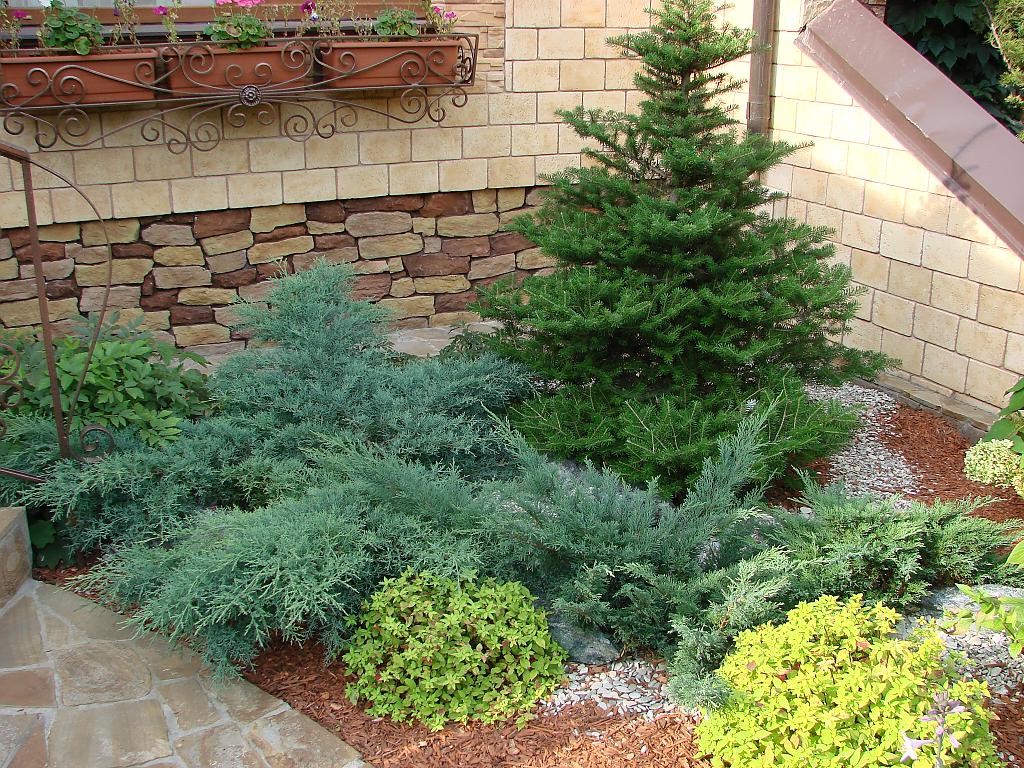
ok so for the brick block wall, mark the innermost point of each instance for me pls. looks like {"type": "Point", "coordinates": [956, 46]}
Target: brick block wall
{"type": "Point", "coordinates": [943, 291]}
{"type": "Point", "coordinates": [535, 58]}
{"type": "Point", "coordinates": [422, 256]}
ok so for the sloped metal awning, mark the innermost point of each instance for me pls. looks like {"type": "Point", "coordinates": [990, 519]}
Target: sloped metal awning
{"type": "Point", "coordinates": [978, 159]}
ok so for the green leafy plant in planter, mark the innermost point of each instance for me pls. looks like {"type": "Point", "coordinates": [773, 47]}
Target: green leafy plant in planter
{"type": "Point", "coordinates": [69, 29]}
{"type": "Point", "coordinates": [396, 22]}
{"type": "Point", "coordinates": [238, 30]}
{"type": "Point", "coordinates": [439, 650]}
{"type": "Point", "coordinates": [832, 687]}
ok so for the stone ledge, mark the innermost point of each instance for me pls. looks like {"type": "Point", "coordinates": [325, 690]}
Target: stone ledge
{"type": "Point", "coordinates": [15, 552]}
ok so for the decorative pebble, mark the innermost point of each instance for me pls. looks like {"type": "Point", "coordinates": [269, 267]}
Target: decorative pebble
{"type": "Point", "coordinates": [631, 687]}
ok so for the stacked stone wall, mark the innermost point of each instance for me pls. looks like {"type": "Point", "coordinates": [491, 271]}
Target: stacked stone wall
{"type": "Point", "coordinates": [421, 256]}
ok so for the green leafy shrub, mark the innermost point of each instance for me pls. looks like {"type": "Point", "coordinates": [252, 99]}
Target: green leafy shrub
{"type": "Point", "coordinates": [675, 301]}
{"type": "Point", "coordinates": [1001, 614]}
{"type": "Point", "coordinates": [69, 29]}
{"type": "Point", "coordinates": [832, 687]}
{"type": "Point", "coordinates": [238, 31]}
{"type": "Point", "coordinates": [438, 650]}
{"type": "Point", "coordinates": [1010, 424]}
{"type": "Point", "coordinates": [866, 544]}
{"type": "Point", "coordinates": [133, 380]}
{"type": "Point", "coordinates": [1008, 35]}
{"type": "Point", "coordinates": [955, 36]}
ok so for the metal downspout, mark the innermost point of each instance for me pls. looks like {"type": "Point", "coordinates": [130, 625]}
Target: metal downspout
{"type": "Point", "coordinates": [759, 100]}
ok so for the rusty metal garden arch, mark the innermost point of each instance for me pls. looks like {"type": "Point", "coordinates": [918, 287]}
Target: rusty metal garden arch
{"type": "Point", "coordinates": [94, 441]}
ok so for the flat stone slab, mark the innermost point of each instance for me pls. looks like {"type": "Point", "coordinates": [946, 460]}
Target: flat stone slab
{"type": "Point", "coordinates": [21, 641]}
{"type": "Point", "coordinates": [100, 673]}
{"type": "Point", "coordinates": [291, 740]}
{"type": "Point", "coordinates": [109, 736]}
{"type": "Point", "coordinates": [27, 688]}
{"type": "Point", "coordinates": [99, 697]}
{"type": "Point", "coordinates": [15, 552]}
{"type": "Point", "coordinates": [220, 746]}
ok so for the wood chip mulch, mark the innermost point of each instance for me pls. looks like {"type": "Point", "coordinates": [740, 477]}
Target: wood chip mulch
{"type": "Point", "coordinates": [581, 737]}
{"type": "Point", "coordinates": [1009, 728]}
{"type": "Point", "coordinates": [935, 450]}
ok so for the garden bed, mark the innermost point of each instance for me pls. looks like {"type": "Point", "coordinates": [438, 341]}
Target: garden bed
{"type": "Point", "coordinates": [601, 725]}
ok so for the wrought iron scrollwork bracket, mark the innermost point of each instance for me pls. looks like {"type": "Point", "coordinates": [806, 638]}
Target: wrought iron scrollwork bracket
{"type": "Point", "coordinates": [189, 94]}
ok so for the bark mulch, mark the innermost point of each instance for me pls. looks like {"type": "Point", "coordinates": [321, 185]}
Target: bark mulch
{"type": "Point", "coordinates": [581, 737]}
{"type": "Point", "coordinates": [935, 450]}
{"type": "Point", "coordinates": [1009, 728]}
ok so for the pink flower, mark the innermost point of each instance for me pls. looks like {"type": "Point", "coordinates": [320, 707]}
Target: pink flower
{"type": "Point", "coordinates": [451, 15]}
{"type": "Point", "coordinates": [308, 7]}
{"type": "Point", "coordinates": [19, 15]}
{"type": "Point", "coordinates": [161, 10]}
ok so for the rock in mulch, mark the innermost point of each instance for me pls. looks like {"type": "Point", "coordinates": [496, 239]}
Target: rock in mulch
{"type": "Point", "coordinates": [584, 645]}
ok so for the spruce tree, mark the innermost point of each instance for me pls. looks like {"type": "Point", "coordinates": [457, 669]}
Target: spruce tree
{"type": "Point", "coordinates": [677, 298]}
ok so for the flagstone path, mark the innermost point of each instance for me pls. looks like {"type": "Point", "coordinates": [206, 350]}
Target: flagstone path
{"type": "Point", "coordinates": [78, 691]}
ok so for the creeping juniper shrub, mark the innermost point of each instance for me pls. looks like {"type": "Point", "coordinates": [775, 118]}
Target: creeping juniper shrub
{"type": "Point", "coordinates": [326, 373]}
{"type": "Point", "coordinates": [866, 544]}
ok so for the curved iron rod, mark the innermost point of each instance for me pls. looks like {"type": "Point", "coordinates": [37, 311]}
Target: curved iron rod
{"type": "Point", "coordinates": [54, 383]}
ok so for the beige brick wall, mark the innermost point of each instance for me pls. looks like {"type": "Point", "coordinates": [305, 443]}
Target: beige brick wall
{"type": "Point", "coordinates": [536, 56]}
{"type": "Point", "coordinates": [943, 292]}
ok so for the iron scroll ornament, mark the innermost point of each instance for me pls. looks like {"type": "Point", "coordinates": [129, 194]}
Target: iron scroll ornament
{"type": "Point", "coordinates": [189, 95]}
{"type": "Point", "coordinates": [94, 441]}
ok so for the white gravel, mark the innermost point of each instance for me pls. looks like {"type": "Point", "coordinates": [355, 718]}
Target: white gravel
{"type": "Point", "coordinates": [866, 465]}
{"type": "Point", "coordinates": [630, 687]}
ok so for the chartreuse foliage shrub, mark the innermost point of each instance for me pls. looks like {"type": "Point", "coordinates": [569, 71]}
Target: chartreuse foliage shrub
{"type": "Point", "coordinates": [867, 544]}
{"type": "Point", "coordinates": [998, 459]}
{"type": "Point", "coordinates": [832, 688]}
{"type": "Point", "coordinates": [438, 650]}
{"type": "Point", "coordinates": [324, 374]}
{"type": "Point", "coordinates": [133, 380]}
{"type": "Point", "coordinates": [677, 304]}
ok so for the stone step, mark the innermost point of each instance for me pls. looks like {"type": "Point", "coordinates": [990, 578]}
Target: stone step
{"type": "Point", "coordinates": [15, 552]}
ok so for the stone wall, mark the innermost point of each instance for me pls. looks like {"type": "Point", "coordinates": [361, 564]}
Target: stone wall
{"type": "Point", "coordinates": [536, 56]}
{"type": "Point", "coordinates": [422, 256]}
{"type": "Point", "coordinates": [943, 291]}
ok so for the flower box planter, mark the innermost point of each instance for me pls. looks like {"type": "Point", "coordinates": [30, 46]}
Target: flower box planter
{"type": "Point", "coordinates": [71, 80]}
{"type": "Point", "coordinates": [393, 63]}
{"type": "Point", "coordinates": [211, 71]}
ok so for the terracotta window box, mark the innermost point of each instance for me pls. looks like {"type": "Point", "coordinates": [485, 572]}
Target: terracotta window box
{"type": "Point", "coordinates": [70, 80]}
{"type": "Point", "coordinates": [202, 70]}
{"type": "Point", "coordinates": [393, 63]}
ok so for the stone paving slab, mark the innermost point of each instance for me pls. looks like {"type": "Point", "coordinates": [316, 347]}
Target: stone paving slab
{"type": "Point", "coordinates": [77, 690]}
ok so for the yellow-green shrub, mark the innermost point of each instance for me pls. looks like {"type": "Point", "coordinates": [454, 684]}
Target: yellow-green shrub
{"type": "Point", "coordinates": [832, 688]}
{"type": "Point", "coordinates": [439, 650]}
